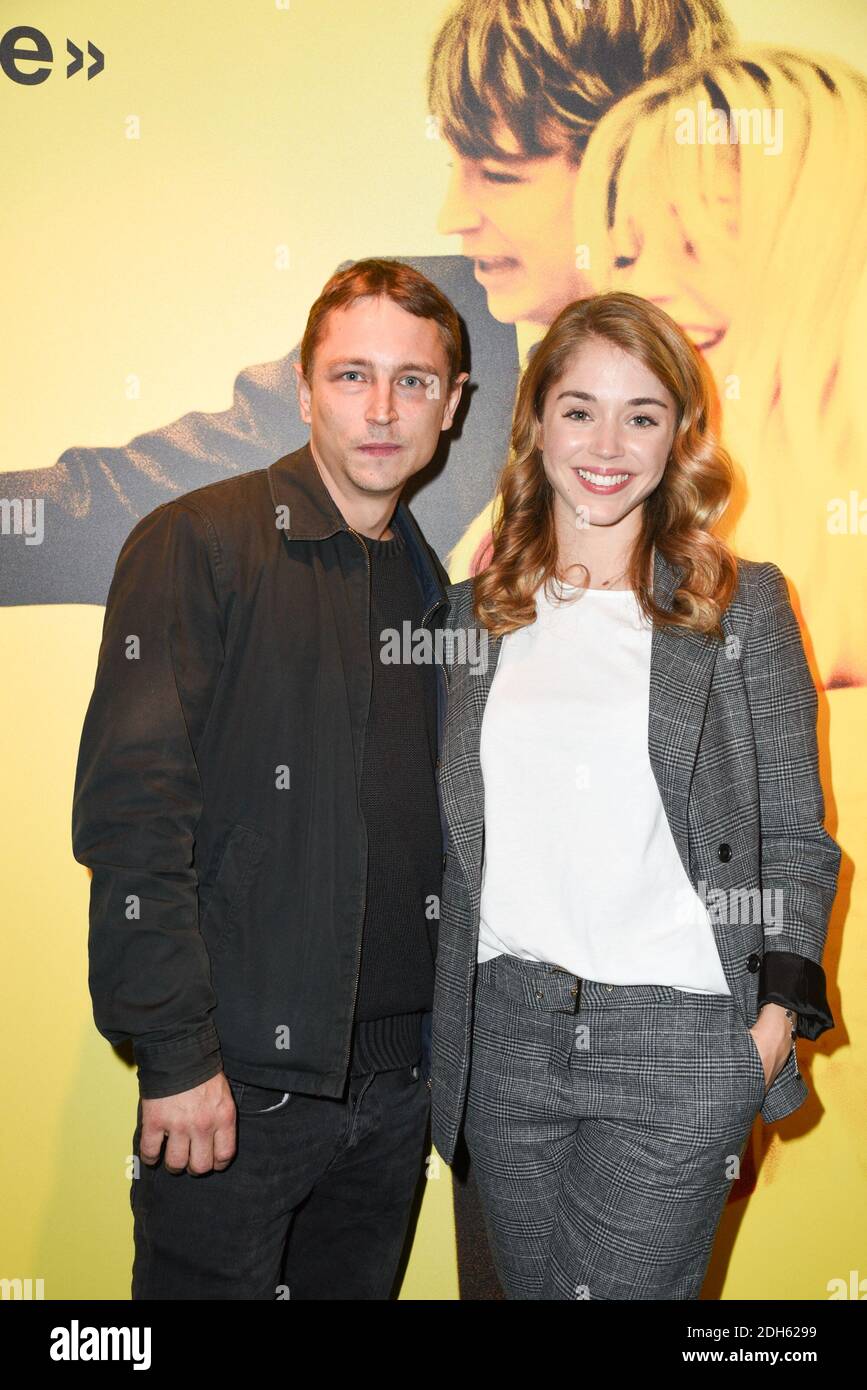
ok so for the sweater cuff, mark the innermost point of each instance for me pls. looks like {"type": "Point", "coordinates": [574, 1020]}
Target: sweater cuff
{"type": "Point", "coordinates": [797, 983]}
{"type": "Point", "coordinates": [166, 1068]}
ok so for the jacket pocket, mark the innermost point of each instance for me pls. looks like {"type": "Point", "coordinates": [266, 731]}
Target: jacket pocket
{"type": "Point", "coordinates": [242, 853]}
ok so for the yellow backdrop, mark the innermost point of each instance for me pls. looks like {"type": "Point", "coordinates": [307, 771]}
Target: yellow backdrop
{"type": "Point", "coordinates": [169, 221]}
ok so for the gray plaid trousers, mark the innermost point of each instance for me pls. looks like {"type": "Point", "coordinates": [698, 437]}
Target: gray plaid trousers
{"type": "Point", "coordinates": [605, 1124]}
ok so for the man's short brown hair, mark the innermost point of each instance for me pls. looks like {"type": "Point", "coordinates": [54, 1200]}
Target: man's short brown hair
{"type": "Point", "coordinates": [402, 284]}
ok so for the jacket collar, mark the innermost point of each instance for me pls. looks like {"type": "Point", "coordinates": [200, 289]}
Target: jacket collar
{"type": "Point", "coordinates": [313, 515]}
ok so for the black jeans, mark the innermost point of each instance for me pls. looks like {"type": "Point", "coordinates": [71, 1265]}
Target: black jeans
{"type": "Point", "coordinates": [314, 1205]}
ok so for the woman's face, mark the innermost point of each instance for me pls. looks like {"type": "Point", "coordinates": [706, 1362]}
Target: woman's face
{"type": "Point", "coordinates": [692, 274]}
{"type": "Point", "coordinates": [515, 217]}
{"type": "Point", "coordinates": [606, 433]}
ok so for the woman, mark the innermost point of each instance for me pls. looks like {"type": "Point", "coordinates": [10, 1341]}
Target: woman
{"type": "Point", "coordinates": [752, 234]}
{"type": "Point", "coordinates": [638, 880]}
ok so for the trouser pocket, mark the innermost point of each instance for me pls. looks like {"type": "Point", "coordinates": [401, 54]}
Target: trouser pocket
{"type": "Point", "coordinates": [258, 1100]}
{"type": "Point", "coordinates": [754, 1057]}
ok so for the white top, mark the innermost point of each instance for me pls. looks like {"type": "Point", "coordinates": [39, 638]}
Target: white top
{"type": "Point", "coordinates": [580, 866]}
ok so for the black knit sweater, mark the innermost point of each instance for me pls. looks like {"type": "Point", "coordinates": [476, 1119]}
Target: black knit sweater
{"type": "Point", "coordinates": [400, 809]}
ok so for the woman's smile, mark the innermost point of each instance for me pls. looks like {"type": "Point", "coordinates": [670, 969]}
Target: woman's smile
{"type": "Point", "coordinates": [601, 480]}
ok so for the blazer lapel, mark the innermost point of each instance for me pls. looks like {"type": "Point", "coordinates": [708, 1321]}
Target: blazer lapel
{"type": "Point", "coordinates": [681, 672]}
{"type": "Point", "coordinates": [460, 776]}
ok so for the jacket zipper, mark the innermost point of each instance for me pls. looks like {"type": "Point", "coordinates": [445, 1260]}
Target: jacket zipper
{"type": "Point", "coordinates": [364, 896]}
{"type": "Point", "coordinates": [432, 609]}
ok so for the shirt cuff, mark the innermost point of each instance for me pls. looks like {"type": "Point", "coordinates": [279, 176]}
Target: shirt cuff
{"type": "Point", "coordinates": [797, 983]}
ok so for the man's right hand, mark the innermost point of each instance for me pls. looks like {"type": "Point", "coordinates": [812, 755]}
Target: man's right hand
{"type": "Point", "coordinates": [199, 1123]}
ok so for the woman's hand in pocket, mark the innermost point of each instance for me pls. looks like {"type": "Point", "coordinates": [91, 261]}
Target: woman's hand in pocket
{"type": "Point", "coordinates": [772, 1034]}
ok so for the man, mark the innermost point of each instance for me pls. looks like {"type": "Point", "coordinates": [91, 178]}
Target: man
{"type": "Point", "coordinates": [256, 796]}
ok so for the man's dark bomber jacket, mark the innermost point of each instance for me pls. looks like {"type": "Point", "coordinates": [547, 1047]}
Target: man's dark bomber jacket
{"type": "Point", "coordinates": [216, 793]}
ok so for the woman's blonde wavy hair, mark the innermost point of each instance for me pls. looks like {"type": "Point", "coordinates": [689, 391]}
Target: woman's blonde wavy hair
{"type": "Point", "coordinates": [678, 515]}
{"type": "Point", "coordinates": [793, 228]}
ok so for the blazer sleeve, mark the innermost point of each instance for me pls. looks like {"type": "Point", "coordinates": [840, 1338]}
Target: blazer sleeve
{"type": "Point", "coordinates": [138, 799]}
{"type": "Point", "coordinates": [800, 861]}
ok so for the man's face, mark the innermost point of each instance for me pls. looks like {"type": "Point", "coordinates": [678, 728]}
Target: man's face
{"type": "Point", "coordinates": [378, 397]}
{"type": "Point", "coordinates": [515, 216]}
{"type": "Point", "coordinates": [606, 433]}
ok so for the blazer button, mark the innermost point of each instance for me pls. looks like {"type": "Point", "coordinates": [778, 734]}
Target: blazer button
{"type": "Point", "coordinates": [754, 963]}
{"type": "Point", "coordinates": [445, 856]}
{"type": "Point", "coordinates": [725, 852]}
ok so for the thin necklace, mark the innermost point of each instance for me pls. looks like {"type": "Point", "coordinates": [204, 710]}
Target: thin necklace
{"type": "Point", "coordinates": [606, 582]}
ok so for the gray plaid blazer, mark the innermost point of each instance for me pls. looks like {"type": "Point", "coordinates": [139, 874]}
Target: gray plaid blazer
{"type": "Point", "coordinates": [732, 743]}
